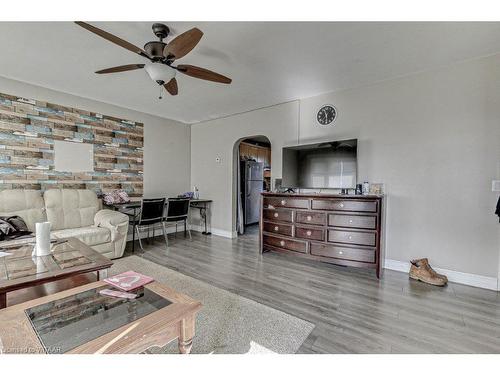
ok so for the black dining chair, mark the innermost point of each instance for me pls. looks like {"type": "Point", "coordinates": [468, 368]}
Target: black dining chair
{"type": "Point", "coordinates": [151, 214]}
{"type": "Point", "coordinates": [178, 212]}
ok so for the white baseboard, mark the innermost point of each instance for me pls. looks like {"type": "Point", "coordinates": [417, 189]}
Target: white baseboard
{"type": "Point", "coordinates": [224, 233]}
{"type": "Point", "coordinates": [195, 228]}
{"type": "Point", "coordinates": [215, 231]}
{"type": "Point", "coordinates": [144, 234]}
{"type": "Point", "coordinates": [479, 281]}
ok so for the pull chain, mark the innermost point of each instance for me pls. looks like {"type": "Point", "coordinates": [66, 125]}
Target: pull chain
{"type": "Point", "coordinates": [161, 91]}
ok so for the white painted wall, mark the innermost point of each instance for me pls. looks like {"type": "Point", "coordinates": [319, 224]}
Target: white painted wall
{"type": "Point", "coordinates": [216, 138]}
{"type": "Point", "coordinates": [166, 142]}
{"type": "Point", "coordinates": [432, 138]}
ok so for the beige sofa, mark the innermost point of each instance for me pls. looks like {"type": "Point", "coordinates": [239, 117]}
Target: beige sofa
{"type": "Point", "coordinates": [72, 213]}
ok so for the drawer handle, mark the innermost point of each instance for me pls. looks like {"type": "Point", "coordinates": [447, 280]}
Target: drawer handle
{"type": "Point", "coordinates": [309, 218]}
{"type": "Point", "coordinates": [276, 228]}
{"type": "Point", "coordinates": [308, 232]}
{"type": "Point", "coordinates": [350, 237]}
{"type": "Point", "coordinates": [341, 205]}
{"type": "Point", "coordinates": [282, 243]}
{"type": "Point", "coordinates": [283, 202]}
{"type": "Point", "coordinates": [350, 221]}
{"type": "Point", "coordinates": [341, 252]}
{"type": "Point", "coordinates": [276, 214]}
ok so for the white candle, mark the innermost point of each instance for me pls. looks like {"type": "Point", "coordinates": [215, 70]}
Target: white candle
{"type": "Point", "coordinates": [42, 246]}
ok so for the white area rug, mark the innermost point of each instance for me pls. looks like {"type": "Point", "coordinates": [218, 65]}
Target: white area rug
{"type": "Point", "coordinates": [227, 323]}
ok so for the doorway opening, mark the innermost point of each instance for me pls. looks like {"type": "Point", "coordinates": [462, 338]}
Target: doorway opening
{"type": "Point", "coordinates": [252, 177]}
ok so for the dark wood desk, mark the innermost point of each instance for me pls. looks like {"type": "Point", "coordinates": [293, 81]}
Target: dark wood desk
{"type": "Point", "coordinates": [202, 204]}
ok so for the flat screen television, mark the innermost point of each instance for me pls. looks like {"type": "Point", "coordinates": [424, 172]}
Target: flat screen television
{"type": "Point", "coordinates": [326, 165]}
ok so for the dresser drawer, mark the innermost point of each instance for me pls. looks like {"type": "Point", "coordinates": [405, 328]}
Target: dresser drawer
{"type": "Point", "coordinates": [292, 245]}
{"type": "Point", "coordinates": [352, 221]}
{"type": "Point", "coordinates": [357, 238]}
{"type": "Point", "coordinates": [347, 253]}
{"type": "Point", "coordinates": [310, 233]}
{"type": "Point", "coordinates": [309, 217]}
{"type": "Point", "coordinates": [283, 229]}
{"type": "Point", "coordinates": [344, 205]}
{"type": "Point", "coordinates": [278, 215]}
{"type": "Point", "coordinates": [286, 202]}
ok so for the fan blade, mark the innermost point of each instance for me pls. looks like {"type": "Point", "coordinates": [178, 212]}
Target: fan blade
{"type": "Point", "coordinates": [201, 73]}
{"type": "Point", "coordinates": [171, 87]}
{"type": "Point", "coordinates": [113, 39]}
{"type": "Point", "coordinates": [182, 44]}
{"type": "Point", "coordinates": [121, 68]}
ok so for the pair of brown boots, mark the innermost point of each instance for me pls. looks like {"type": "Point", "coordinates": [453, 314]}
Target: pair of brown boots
{"type": "Point", "coordinates": [421, 270]}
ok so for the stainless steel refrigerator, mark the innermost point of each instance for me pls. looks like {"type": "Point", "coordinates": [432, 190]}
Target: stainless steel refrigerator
{"type": "Point", "coordinates": [252, 184]}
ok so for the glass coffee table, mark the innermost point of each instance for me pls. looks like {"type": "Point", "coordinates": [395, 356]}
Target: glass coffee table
{"type": "Point", "coordinates": [69, 257]}
{"type": "Point", "coordinates": [81, 320]}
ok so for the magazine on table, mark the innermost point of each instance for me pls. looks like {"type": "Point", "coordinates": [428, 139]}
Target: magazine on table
{"type": "Point", "coordinates": [129, 280]}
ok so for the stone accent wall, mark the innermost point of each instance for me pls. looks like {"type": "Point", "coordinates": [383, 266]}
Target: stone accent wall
{"type": "Point", "coordinates": [28, 129]}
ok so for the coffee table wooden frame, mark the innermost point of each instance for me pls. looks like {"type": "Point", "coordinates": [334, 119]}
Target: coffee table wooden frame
{"type": "Point", "coordinates": [175, 321]}
{"type": "Point", "coordinates": [100, 265]}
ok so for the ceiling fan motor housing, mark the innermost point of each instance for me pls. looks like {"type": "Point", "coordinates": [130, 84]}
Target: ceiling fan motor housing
{"type": "Point", "coordinates": [155, 49]}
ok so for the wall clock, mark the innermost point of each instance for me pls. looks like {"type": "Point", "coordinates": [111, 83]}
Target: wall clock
{"type": "Point", "coordinates": [326, 115]}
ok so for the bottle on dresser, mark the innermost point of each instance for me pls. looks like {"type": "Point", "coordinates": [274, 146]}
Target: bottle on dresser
{"type": "Point", "coordinates": [366, 188]}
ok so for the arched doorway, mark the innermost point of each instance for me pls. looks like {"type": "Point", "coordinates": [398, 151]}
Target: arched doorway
{"type": "Point", "coordinates": [252, 175]}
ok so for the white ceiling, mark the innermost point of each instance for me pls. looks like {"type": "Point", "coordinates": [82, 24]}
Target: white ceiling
{"type": "Point", "coordinates": [269, 63]}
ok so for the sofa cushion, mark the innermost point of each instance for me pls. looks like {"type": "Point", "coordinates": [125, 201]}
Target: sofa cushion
{"type": "Point", "coordinates": [27, 204]}
{"type": "Point", "coordinates": [89, 235]}
{"type": "Point", "coordinates": [70, 208]}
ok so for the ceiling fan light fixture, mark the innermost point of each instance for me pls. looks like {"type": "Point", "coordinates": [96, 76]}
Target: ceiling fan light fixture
{"type": "Point", "coordinates": [160, 73]}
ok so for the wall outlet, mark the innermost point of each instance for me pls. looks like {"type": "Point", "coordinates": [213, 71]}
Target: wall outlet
{"type": "Point", "coordinates": [495, 185]}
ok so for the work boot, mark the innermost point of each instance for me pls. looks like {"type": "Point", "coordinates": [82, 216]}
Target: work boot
{"type": "Point", "coordinates": [425, 260]}
{"type": "Point", "coordinates": [421, 270]}
{"type": "Point", "coordinates": [438, 274]}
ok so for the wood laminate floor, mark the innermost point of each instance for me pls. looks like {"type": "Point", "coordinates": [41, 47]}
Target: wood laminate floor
{"type": "Point", "coordinates": [352, 310]}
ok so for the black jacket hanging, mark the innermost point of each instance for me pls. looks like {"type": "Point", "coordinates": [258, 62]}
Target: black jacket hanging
{"type": "Point", "coordinates": [497, 211]}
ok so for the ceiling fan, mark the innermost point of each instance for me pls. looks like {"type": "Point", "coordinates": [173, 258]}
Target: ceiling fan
{"type": "Point", "coordinates": [161, 56]}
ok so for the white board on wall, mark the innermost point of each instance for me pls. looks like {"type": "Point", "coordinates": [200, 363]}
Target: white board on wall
{"type": "Point", "coordinates": [73, 157]}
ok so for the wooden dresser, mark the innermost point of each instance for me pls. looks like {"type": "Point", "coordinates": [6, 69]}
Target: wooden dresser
{"type": "Point", "coordinates": [340, 229]}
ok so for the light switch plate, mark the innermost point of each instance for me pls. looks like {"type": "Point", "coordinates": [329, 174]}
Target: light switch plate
{"type": "Point", "coordinates": [495, 185]}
